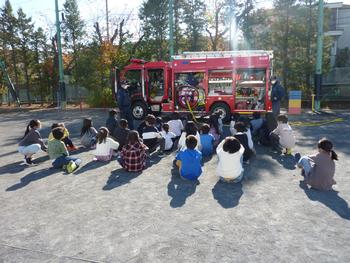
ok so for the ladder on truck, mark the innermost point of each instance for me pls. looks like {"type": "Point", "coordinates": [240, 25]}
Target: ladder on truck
{"type": "Point", "coordinates": [224, 54]}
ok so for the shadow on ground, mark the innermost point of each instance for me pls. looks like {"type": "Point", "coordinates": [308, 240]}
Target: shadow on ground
{"type": "Point", "coordinates": [118, 178]}
{"type": "Point", "coordinates": [287, 161]}
{"type": "Point", "coordinates": [33, 176]}
{"type": "Point", "coordinates": [331, 199]}
{"type": "Point", "coordinates": [227, 194]}
{"type": "Point", "coordinates": [90, 166]}
{"type": "Point", "coordinates": [8, 153]}
{"type": "Point", "coordinates": [180, 189]}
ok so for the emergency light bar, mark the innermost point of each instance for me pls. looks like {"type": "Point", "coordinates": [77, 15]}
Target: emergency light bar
{"type": "Point", "coordinates": [224, 54]}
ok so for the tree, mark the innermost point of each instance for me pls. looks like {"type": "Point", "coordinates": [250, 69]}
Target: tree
{"type": "Point", "coordinates": [194, 19]}
{"type": "Point", "coordinates": [73, 30]}
{"type": "Point", "coordinates": [154, 21]}
{"type": "Point", "coordinates": [178, 16]}
{"type": "Point", "coordinates": [41, 56]}
{"type": "Point", "coordinates": [224, 15]}
{"type": "Point", "coordinates": [25, 33]}
{"type": "Point", "coordinates": [8, 24]}
{"type": "Point", "coordinates": [282, 33]}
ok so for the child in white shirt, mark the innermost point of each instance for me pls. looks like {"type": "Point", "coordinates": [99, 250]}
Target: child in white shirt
{"type": "Point", "coordinates": [168, 136]}
{"type": "Point", "coordinates": [105, 146]}
{"type": "Point", "coordinates": [175, 125]}
{"type": "Point", "coordinates": [234, 118]}
{"type": "Point", "coordinates": [230, 154]}
{"type": "Point", "coordinates": [283, 136]}
{"type": "Point", "coordinates": [190, 129]}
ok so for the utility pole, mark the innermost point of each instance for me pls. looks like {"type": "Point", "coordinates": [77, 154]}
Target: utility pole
{"type": "Point", "coordinates": [318, 75]}
{"type": "Point", "coordinates": [61, 84]}
{"type": "Point", "coordinates": [107, 20]}
{"type": "Point", "coordinates": [171, 29]}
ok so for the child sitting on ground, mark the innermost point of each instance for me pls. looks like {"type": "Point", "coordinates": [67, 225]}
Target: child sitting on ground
{"type": "Point", "coordinates": [31, 142]}
{"type": "Point", "coordinates": [189, 160]}
{"type": "Point", "coordinates": [59, 154]}
{"type": "Point", "coordinates": [243, 138]}
{"type": "Point", "coordinates": [121, 133]}
{"type": "Point", "coordinates": [67, 141]}
{"type": "Point", "coordinates": [88, 134]}
{"type": "Point", "coordinates": [207, 141]}
{"type": "Point", "coordinates": [234, 118]}
{"type": "Point", "coordinates": [151, 136]}
{"type": "Point", "coordinates": [105, 146]}
{"type": "Point", "coordinates": [215, 124]}
{"type": "Point", "coordinates": [230, 154]}
{"type": "Point", "coordinates": [190, 129]}
{"type": "Point", "coordinates": [133, 155]}
{"type": "Point", "coordinates": [168, 136]}
{"type": "Point", "coordinates": [319, 169]}
{"type": "Point", "coordinates": [111, 122]}
{"type": "Point", "coordinates": [282, 136]}
{"type": "Point", "coordinates": [256, 124]}
{"type": "Point", "coordinates": [175, 125]}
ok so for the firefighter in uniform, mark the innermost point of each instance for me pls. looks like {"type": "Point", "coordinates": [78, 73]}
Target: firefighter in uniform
{"type": "Point", "coordinates": [124, 104]}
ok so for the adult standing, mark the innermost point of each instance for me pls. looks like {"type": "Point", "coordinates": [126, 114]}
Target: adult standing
{"type": "Point", "coordinates": [277, 94]}
{"type": "Point", "coordinates": [124, 104]}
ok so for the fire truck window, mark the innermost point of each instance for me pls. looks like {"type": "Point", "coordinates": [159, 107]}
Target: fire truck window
{"type": "Point", "coordinates": [250, 89]}
{"type": "Point", "coordinates": [220, 82]}
{"type": "Point", "coordinates": [156, 83]}
{"type": "Point", "coordinates": [133, 78]}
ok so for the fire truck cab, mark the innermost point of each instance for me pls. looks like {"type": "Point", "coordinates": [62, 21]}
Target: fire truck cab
{"type": "Point", "coordinates": [201, 82]}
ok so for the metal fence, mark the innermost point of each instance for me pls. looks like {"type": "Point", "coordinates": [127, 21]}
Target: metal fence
{"type": "Point", "coordinates": [73, 94]}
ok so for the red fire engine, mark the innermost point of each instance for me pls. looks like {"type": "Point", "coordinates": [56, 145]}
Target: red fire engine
{"type": "Point", "coordinates": [200, 82]}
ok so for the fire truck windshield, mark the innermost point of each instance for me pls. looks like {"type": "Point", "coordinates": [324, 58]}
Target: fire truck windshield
{"type": "Point", "coordinates": [133, 79]}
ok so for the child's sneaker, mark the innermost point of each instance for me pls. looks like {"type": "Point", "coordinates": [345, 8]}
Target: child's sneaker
{"type": "Point", "coordinates": [288, 151]}
{"type": "Point", "coordinates": [28, 161]}
{"type": "Point", "coordinates": [72, 148]}
{"type": "Point", "coordinates": [161, 154]}
{"type": "Point", "coordinates": [71, 167]}
{"type": "Point", "coordinates": [297, 157]}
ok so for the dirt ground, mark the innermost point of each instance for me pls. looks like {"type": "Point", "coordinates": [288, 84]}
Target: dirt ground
{"type": "Point", "coordinates": [102, 214]}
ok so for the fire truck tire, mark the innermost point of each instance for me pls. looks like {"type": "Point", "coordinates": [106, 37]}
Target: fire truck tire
{"type": "Point", "coordinates": [139, 110]}
{"type": "Point", "coordinates": [224, 108]}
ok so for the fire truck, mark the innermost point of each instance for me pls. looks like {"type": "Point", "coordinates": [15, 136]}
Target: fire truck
{"type": "Point", "coordinates": [200, 83]}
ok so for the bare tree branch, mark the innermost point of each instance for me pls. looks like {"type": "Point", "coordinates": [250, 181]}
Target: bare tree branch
{"type": "Point", "coordinates": [98, 32]}
{"type": "Point", "coordinates": [135, 47]}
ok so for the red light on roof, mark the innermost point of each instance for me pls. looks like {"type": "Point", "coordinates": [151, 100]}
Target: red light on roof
{"type": "Point", "coordinates": [137, 61]}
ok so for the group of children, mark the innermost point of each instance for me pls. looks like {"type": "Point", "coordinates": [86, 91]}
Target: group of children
{"type": "Point", "coordinates": [192, 141]}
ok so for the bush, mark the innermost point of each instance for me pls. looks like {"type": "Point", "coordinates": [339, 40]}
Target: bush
{"type": "Point", "coordinates": [102, 98]}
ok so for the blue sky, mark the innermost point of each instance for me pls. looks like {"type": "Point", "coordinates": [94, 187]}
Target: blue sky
{"type": "Point", "coordinates": [43, 11]}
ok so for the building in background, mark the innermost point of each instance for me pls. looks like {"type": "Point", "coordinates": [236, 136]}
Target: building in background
{"type": "Point", "coordinates": [336, 83]}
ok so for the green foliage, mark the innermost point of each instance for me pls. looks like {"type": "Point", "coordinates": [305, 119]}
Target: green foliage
{"type": "Point", "coordinates": [154, 18]}
{"type": "Point", "coordinates": [101, 98]}
{"type": "Point", "coordinates": [194, 19]}
{"type": "Point", "coordinates": [290, 30]}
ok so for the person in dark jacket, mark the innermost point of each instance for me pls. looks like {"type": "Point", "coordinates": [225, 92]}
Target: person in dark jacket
{"type": "Point", "coordinates": [277, 94]}
{"type": "Point", "coordinates": [121, 133]}
{"type": "Point", "coordinates": [111, 122]}
{"type": "Point", "coordinates": [124, 104]}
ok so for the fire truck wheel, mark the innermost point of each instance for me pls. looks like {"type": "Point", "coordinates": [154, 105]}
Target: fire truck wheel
{"type": "Point", "coordinates": [223, 107]}
{"type": "Point", "coordinates": [139, 110]}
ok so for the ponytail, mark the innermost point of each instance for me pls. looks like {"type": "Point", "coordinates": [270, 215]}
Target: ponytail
{"type": "Point", "coordinates": [31, 125]}
{"type": "Point", "coordinates": [327, 146]}
{"type": "Point", "coordinates": [334, 156]}
{"type": "Point", "coordinates": [27, 130]}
